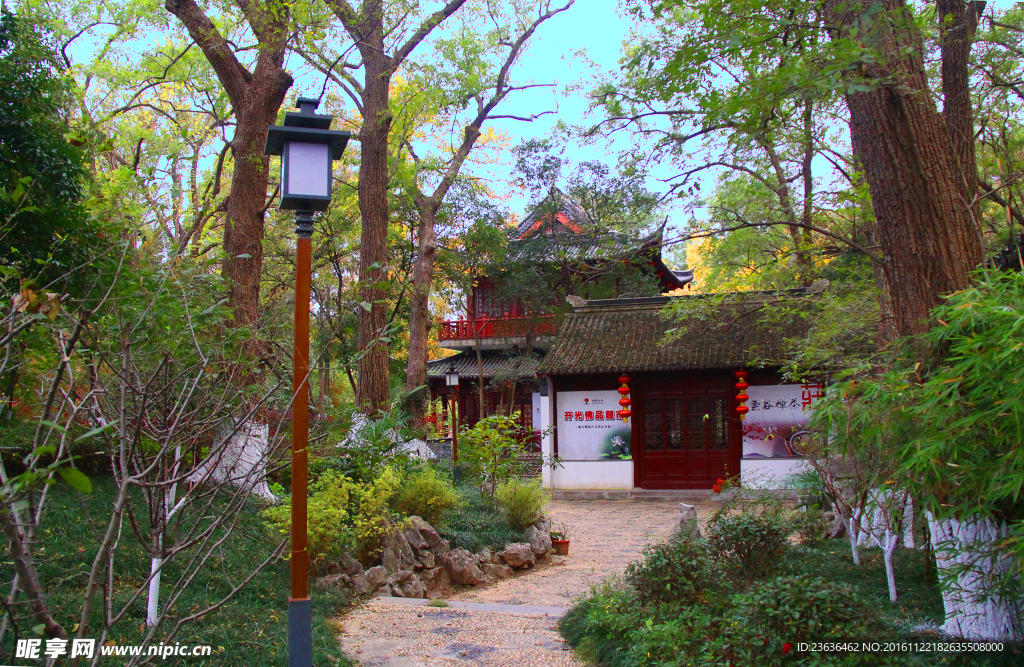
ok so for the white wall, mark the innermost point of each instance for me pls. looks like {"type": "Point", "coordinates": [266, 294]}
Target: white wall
{"type": "Point", "coordinates": [594, 475]}
{"type": "Point", "coordinates": [547, 443]}
{"type": "Point", "coordinates": [769, 473]}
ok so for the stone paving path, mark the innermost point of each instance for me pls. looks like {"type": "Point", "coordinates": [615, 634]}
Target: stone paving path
{"type": "Point", "coordinates": [512, 622]}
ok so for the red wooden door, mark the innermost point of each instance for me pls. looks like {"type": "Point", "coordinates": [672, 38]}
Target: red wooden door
{"type": "Point", "coordinates": [687, 439]}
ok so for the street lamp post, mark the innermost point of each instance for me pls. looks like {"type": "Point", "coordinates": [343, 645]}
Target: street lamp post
{"type": "Point", "coordinates": [451, 379]}
{"type": "Point", "coordinates": [307, 147]}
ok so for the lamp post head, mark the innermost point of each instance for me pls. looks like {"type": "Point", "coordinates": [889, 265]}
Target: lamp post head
{"type": "Point", "coordinates": [451, 378]}
{"type": "Point", "coordinates": [307, 147]}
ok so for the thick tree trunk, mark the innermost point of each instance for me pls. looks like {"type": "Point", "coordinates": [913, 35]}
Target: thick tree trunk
{"type": "Point", "coordinates": [419, 320]}
{"type": "Point", "coordinates": [238, 459]}
{"type": "Point", "coordinates": [929, 241]}
{"type": "Point", "coordinates": [958, 22]}
{"type": "Point", "coordinates": [966, 571]}
{"type": "Point", "coordinates": [372, 392]}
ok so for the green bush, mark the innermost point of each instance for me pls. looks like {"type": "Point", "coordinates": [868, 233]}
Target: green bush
{"type": "Point", "coordinates": [680, 570]}
{"type": "Point", "coordinates": [342, 515]}
{"type": "Point", "coordinates": [491, 451]}
{"type": "Point", "coordinates": [749, 545]}
{"type": "Point", "coordinates": [600, 626]}
{"type": "Point", "coordinates": [796, 609]}
{"type": "Point", "coordinates": [328, 529]}
{"type": "Point", "coordinates": [523, 502]}
{"type": "Point", "coordinates": [427, 495]}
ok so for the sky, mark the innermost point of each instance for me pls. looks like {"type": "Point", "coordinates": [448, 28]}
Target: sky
{"type": "Point", "coordinates": [595, 27]}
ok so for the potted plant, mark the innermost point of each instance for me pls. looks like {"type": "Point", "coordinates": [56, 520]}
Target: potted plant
{"type": "Point", "coordinates": [560, 539]}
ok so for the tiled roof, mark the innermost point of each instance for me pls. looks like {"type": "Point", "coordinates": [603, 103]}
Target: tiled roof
{"type": "Point", "coordinates": [615, 336]}
{"type": "Point", "coordinates": [495, 363]}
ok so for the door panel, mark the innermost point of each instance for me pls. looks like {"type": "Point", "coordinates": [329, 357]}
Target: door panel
{"type": "Point", "coordinates": [689, 439]}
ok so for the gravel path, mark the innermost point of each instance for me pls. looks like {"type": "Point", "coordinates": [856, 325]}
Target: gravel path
{"type": "Point", "coordinates": [513, 621]}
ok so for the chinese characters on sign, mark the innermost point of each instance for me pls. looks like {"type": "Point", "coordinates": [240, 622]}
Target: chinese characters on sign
{"type": "Point", "coordinates": [778, 413]}
{"type": "Point", "coordinates": [588, 429]}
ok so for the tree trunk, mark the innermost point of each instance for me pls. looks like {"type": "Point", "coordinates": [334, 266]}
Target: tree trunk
{"type": "Point", "coordinates": [966, 570]}
{"type": "Point", "coordinates": [419, 320]}
{"type": "Point", "coordinates": [958, 22]}
{"type": "Point", "coordinates": [929, 241]}
{"type": "Point", "coordinates": [238, 459]}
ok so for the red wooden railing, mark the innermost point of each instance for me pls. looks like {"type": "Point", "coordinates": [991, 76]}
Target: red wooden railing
{"type": "Point", "coordinates": [497, 327]}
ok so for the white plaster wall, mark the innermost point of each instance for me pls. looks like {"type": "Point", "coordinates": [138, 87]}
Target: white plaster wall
{"type": "Point", "coordinates": [769, 473]}
{"type": "Point", "coordinates": [594, 475]}
{"type": "Point", "coordinates": [547, 442]}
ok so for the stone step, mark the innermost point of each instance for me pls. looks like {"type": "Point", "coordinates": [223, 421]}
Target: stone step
{"type": "Point", "coordinates": [632, 494]}
{"type": "Point", "coordinates": [679, 495]}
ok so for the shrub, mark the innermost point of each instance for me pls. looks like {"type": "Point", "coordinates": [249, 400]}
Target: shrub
{"type": "Point", "coordinates": [371, 514]}
{"type": "Point", "coordinates": [792, 610]}
{"type": "Point", "coordinates": [811, 525]}
{"type": "Point", "coordinates": [679, 570]}
{"type": "Point", "coordinates": [327, 526]}
{"type": "Point", "coordinates": [490, 451]}
{"type": "Point", "coordinates": [427, 495]}
{"type": "Point", "coordinates": [748, 544]}
{"type": "Point", "coordinates": [600, 626]}
{"type": "Point", "coordinates": [522, 502]}
{"type": "Point", "coordinates": [342, 514]}
{"type": "Point", "coordinates": [477, 524]}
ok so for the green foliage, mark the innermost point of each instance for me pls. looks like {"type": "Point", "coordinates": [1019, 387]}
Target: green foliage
{"type": "Point", "coordinates": [47, 232]}
{"type": "Point", "coordinates": [478, 524]}
{"type": "Point", "coordinates": [426, 494]}
{"type": "Point", "coordinates": [748, 545]}
{"type": "Point", "coordinates": [678, 608]}
{"type": "Point", "coordinates": [368, 447]}
{"type": "Point", "coordinates": [342, 515]}
{"type": "Point", "coordinates": [797, 609]}
{"type": "Point", "coordinates": [522, 501]}
{"type": "Point", "coordinates": [371, 516]}
{"type": "Point", "coordinates": [328, 529]}
{"type": "Point", "coordinates": [950, 426]}
{"type": "Point", "coordinates": [66, 543]}
{"type": "Point", "coordinates": [681, 570]}
{"type": "Point", "coordinates": [490, 451]}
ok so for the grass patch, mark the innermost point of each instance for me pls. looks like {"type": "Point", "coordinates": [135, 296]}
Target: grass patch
{"type": "Point", "coordinates": [251, 628]}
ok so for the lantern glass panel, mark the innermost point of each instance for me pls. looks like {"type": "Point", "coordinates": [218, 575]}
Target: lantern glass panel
{"type": "Point", "coordinates": [307, 169]}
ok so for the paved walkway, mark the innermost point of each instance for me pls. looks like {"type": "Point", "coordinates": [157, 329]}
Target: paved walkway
{"type": "Point", "coordinates": [512, 622]}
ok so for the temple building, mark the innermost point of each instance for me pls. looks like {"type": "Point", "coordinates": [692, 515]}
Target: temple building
{"type": "Point", "coordinates": [562, 368]}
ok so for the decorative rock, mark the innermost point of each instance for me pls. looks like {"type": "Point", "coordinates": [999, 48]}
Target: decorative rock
{"type": "Point", "coordinates": [518, 556]}
{"type": "Point", "coordinates": [436, 580]}
{"type": "Point", "coordinates": [499, 571]}
{"type": "Point", "coordinates": [540, 540]}
{"type": "Point", "coordinates": [462, 567]}
{"type": "Point", "coordinates": [396, 553]}
{"type": "Point", "coordinates": [427, 560]}
{"type": "Point", "coordinates": [485, 556]}
{"type": "Point", "coordinates": [414, 537]}
{"type": "Point", "coordinates": [368, 581]}
{"type": "Point", "coordinates": [687, 521]}
{"type": "Point", "coordinates": [426, 531]}
{"type": "Point", "coordinates": [350, 565]}
{"type": "Point", "coordinates": [413, 588]}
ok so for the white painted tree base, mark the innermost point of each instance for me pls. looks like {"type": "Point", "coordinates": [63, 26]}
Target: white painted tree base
{"type": "Point", "coordinates": [970, 614]}
{"type": "Point", "coordinates": [239, 460]}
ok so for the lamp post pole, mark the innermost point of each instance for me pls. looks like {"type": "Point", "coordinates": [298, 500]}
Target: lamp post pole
{"type": "Point", "coordinates": [300, 612]}
{"type": "Point", "coordinates": [307, 147]}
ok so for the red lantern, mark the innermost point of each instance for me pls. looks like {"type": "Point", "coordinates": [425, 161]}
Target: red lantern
{"type": "Point", "coordinates": [624, 413]}
{"type": "Point", "coordinates": [742, 397]}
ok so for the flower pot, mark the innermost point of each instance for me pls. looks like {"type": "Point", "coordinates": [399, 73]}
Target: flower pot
{"type": "Point", "coordinates": [561, 547]}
